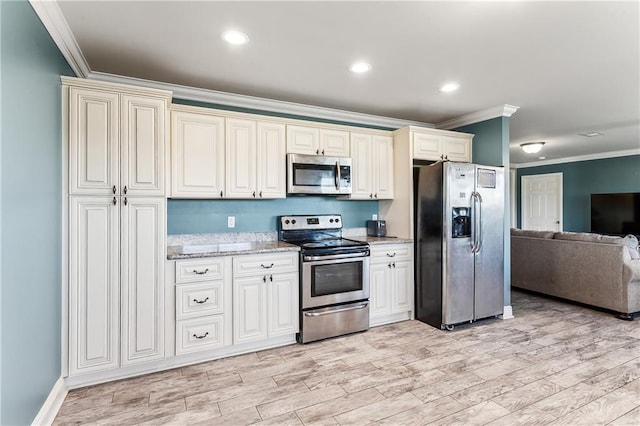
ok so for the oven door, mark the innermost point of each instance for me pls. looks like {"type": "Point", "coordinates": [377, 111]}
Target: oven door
{"type": "Point", "coordinates": [332, 279]}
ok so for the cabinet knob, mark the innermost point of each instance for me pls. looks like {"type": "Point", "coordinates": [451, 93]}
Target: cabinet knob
{"type": "Point", "coordinates": [125, 201]}
{"type": "Point", "coordinates": [201, 337]}
{"type": "Point", "coordinates": [317, 151]}
{"type": "Point", "coordinates": [394, 264]}
{"type": "Point", "coordinates": [115, 201]}
{"type": "Point", "coordinates": [376, 195]}
{"type": "Point", "coordinates": [125, 189]}
{"type": "Point", "coordinates": [114, 189]}
{"type": "Point", "coordinates": [260, 194]}
{"type": "Point", "coordinates": [201, 301]}
{"type": "Point", "coordinates": [254, 194]}
{"type": "Point", "coordinates": [271, 278]}
{"type": "Point", "coordinates": [221, 194]}
{"type": "Point", "coordinates": [264, 278]}
{"type": "Point", "coordinates": [389, 265]}
{"type": "Point", "coordinates": [323, 152]}
{"type": "Point", "coordinates": [370, 195]}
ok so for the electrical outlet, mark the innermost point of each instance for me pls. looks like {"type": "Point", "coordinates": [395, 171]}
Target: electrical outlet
{"type": "Point", "coordinates": [374, 217]}
{"type": "Point", "coordinates": [231, 221]}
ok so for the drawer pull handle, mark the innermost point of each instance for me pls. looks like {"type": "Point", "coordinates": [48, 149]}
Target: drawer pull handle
{"type": "Point", "coordinates": [201, 301]}
{"type": "Point", "coordinates": [201, 337]}
{"type": "Point", "coordinates": [195, 271]}
{"type": "Point", "coordinates": [391, 255]}
{"type": "Point", "coordinates": [267, 267]}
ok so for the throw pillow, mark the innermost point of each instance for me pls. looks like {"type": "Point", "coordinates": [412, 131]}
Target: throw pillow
{"type": "Point", "coordinates": [631, 242]}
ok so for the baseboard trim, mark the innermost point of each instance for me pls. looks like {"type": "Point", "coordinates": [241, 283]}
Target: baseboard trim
{"type": "Point", "coordinates": [507, 313]}
{"type": "Point", "coordinates": [52, 404]}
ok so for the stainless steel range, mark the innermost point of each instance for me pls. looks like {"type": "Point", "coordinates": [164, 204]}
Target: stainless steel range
{"type": "Point", "coordinates": [334, 277]}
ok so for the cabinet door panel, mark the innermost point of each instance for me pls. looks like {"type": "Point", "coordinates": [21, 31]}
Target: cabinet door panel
{"type": "Point", "coordinates": [142, 282]}
{"type": "Point", "coordinates": [362, 173]}
{"type": "Point", "coordinates": [197, 155]}
{"type": "Point", "coordinates": [94, 302]}
{"type": "Point", "coordinates": [283, 304]}
{"type": "Point", "coordinates": [456, 149]}
{"type": "Point", "coordinates": [334, 142]}
{"type": "Point", "coordinates": [383, 167]}
{"type": "Point", "coordinates": [143, 145]}
{"type": "Point", "coordinates": [379, 296]}
{"type": "Point", "coordinates": [271, 160]}
{"type": "Point", "coordinates": [249, 309]}
{"type": "Point", "coordinates": [426, 147]}
{"type": "Point", "coordinates": [402, 288]}
{"type": "Point", "coordinates": [93, 142]}
{"type": "Point", "coordinates": [240, 149]}
{"type": "Point", "coordinates": [303, 140]}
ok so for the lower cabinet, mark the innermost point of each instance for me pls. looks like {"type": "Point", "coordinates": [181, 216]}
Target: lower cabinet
{"type": "Point", "coordinates": [391, 283]}
{"type": "Point", "coordinates": [116, 282]}
{"type": "Point", "coordinates": [265, 296]}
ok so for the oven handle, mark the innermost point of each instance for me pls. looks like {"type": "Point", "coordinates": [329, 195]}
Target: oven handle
{"type": "Point", "coordinates": [334, 256]}
{"type": "Point", "coordinates": [335, 311]}
{"type": "Point", "coordinates": [338, 177]}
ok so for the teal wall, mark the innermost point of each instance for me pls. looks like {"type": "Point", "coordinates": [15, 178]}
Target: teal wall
{"type": "Point", "coordinates": [208, 216]}
{"type": "Point", "coordinates": [30, 213]}
{"type": "Point", "coordinates": [491, 147]}
{"type": "Point", "coordinates": [583, 178]}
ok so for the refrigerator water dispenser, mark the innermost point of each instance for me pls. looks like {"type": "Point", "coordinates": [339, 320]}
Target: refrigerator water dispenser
{"type": "Point", "coordinates": [461, 223]}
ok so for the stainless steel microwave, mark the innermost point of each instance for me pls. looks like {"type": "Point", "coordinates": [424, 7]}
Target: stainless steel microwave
{"type": "Point", "coordinates": [318, 174]}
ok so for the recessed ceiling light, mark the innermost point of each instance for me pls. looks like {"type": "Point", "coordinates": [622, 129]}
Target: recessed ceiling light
{"type": "Point", "coordinates": [235, 37]}
{"type": "Point", "coordinates": [542, 157]}
{"type": "Point", "coordinates": [360, 67]}
{"type": "Point", "coordinates": [591, 134]}
{"type": "Point", "coordinates": [450, 87]}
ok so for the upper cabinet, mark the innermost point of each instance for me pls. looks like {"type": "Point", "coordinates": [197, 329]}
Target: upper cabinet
{"type": "Point", "coordinates": [315, 141]}
{"type": "Point", "coordinates": [439, 145]}
{"type": "Point", "coordinates": [197, 155]}
{"type": "Point", "coordinates": [372, 176]}
{"type": "Point", "coordinates": [255, 156]}
{"type": "Point", "coordinates": [116, 139]}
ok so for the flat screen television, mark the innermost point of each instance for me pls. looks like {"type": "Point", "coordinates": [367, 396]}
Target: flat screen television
{"type": "Point", "coordinates": [615, 214]}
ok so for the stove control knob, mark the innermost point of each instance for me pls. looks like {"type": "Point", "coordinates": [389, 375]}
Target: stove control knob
{"type": "Point", "coordinates": [330, 220]}
{"type": "Point", "coordinates": [286, 221]}
{"type": "Point", "coordinates": [337, 220]}
{"type": "Point", "coordinates": [293, 221]}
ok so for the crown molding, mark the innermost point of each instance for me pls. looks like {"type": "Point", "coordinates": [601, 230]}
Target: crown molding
{"type": "Point", "coordinates": [478, 116]}
{"type": "Point", "coordinates": [588, 157]}
{"type": "Point", "coordinates": [51, 16]}
{"type": "Point", "coordinates": [261, 104]}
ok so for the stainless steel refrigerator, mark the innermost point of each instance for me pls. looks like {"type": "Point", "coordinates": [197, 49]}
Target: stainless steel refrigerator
{"type": "Point", "coordinates": [459, 213]}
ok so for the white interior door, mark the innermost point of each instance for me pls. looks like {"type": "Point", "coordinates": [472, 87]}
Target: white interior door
{"type": "Point", "coordinates": [542, 202]}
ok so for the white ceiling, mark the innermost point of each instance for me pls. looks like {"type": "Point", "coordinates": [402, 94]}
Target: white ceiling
{"type": "Point", "coordinates": [571, 67]}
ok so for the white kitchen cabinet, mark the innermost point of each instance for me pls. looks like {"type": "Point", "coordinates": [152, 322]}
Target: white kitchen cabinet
{"type": "Point", "coordinates": [116, 142]}
{"type": "Point", "coordinates": [116, 279]}
{"type": "Point", "coordinates": [317, 141]}
{"type": "Point", "coordinates": [142, 279]}
{"type": "Point", "coordinates": [265, 296]}
{"type": "Point", "coordinates": [94, 284]}
{"type": "Point", "coordinates": [437, 146]}
{"type": "Point", "coordinates": [255, 157]}
{"type": "Point", "coordinates": [391, 283]}
{"type": "Point", "coordinates": [372, 175]}
{"type": "Point", "coordinates": [203, 304]}
{"type": "Point", "coordinates": [197, 155]}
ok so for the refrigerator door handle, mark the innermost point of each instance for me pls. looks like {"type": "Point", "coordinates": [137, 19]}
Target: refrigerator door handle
{"type": "Point", "coordinates": [474, 231]}
{"type": "Point", "coordinates": [479, 225]}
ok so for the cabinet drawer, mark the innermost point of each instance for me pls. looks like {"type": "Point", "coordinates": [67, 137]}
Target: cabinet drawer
{"type": "Point", "coordinates": [386, 252]}
{"type": "Point", "coordinates": [199, 334]}
{"type": "Point", "coordinates": [196, 300]}
{"type": "Point", "coordinates": [260, 264]}
{"type": "Point", "coordinates": [199, 270]}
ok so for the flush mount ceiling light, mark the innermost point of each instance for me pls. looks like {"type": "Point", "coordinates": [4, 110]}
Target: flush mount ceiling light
{"type": "Point", "coordinates": [591, 134]}
{"type": "Point", "coordinates": [449, 87]}
{"type": "Point", "coordinates": [532, 147]}
{"type": "Point", "coordinates": [235, 37]}
{"type": "Point", "coordinates": [360, 67]}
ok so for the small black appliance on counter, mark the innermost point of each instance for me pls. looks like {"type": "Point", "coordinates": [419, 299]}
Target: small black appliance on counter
{"type": "Point", "coordinates": [376, 228]}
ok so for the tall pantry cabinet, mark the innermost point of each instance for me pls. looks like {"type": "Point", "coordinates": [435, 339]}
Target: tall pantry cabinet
{"type": "Point", "coordinates": [116, 186]}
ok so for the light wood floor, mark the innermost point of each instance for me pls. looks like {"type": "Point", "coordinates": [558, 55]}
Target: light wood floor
{"type": "Point", "coordinates": [554, 363]}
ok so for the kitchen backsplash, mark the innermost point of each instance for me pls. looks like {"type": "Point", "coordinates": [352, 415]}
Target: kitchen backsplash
{"type": "Point", "coordinates": [210, 216]}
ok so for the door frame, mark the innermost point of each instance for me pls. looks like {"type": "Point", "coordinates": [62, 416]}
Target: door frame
{"type": "Point", "coordinates": [524, 194]}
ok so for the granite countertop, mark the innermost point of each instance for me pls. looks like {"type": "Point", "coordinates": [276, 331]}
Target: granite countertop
{"type": "Point", "coordinates": [227, 249]}
{"type": "Point", "coordinates": [381, 240]}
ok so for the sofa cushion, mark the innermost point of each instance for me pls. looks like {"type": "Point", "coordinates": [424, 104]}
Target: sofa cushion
{"type": "Point", "coordinates": [530, 233]}
{"type": "Point", "coordinates": [587, 237]}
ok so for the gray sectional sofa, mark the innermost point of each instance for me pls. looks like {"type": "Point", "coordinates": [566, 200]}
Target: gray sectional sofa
{"type": "Point", "coordinates": [593, 269]}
